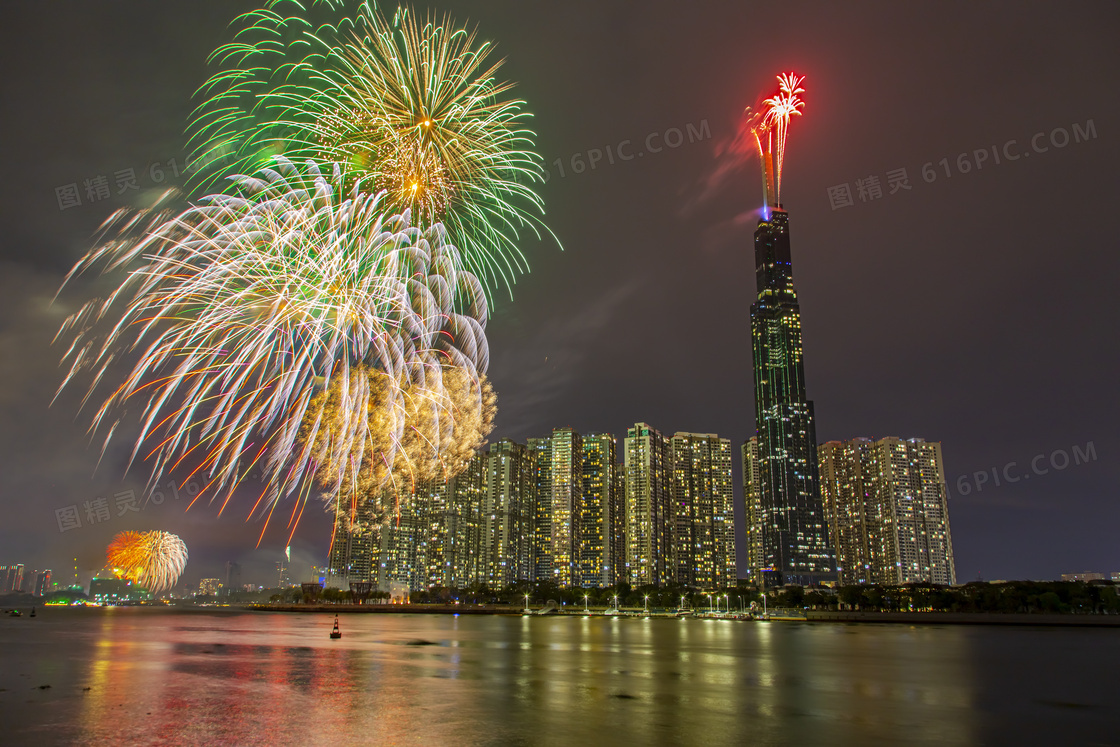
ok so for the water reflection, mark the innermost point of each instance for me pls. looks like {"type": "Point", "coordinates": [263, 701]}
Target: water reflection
{"type": "Point", "coordinates": [251, 678]}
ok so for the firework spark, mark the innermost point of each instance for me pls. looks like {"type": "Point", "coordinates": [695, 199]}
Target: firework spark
{"type": "Point", "coordinates": [768, 124]}
{"type": "Point", "coordinates": [418, 432]}
{"type": "Point", "coordinates": [246, 307]}
{"type": "Point", "coordinates": [414, 105]}
{"type": "Point", "coordinates": [153, 560]}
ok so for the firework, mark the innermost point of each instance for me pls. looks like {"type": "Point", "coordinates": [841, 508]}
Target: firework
{"type": "Point", "coordinates": [413, 105]}
{"type": "Point", "coordinates": [424, 430]}
{"type": "Point", "coordinates": [247, 307]}
{"type": "Point", "coordinates": [767, 124]}
{"type": "Point", "coordinates": [154, 560]}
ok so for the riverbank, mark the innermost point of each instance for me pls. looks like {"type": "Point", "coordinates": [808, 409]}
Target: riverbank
{"type": "Point", "coordinates": [967, 618]}
{"type": "Point", "coordinates": [905, 618]}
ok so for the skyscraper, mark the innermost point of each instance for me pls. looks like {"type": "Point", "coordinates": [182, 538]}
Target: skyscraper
{"type": "Point", "coordinates": [793, 530]}
{"type": "Point", "coordinates": [854, 510]}
{"type": "Point", "coordinates": [752, 511]}
{"type": "Point", "coordinates": [886, 505]}
{"type": "Point", "coordinates": [567, 495]}
{"type": "Point", "coordinates": [354, 546]}
{"type": "Point", "coordinates": [649, 506]}
{"type": "Point", "coordinates": [541, 551]}
{"type": "Point", "coordinates": [508, 515]}
{"type": "Point", "coordinates": [703, 546]}
{"type": "Point", "coordinates": [455, 556]}
{"type": "Point", "coordinates": [602, 555]}
{"type": "Point", "coordinates": [233, 577]}
{"type": "Point", "coordinates": [11, 577]}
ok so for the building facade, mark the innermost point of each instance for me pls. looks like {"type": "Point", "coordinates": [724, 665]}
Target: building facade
{"type": "Point", "coordinates": [541, 543]}
{"type": "Point", "coordinates": [649, 507]}
{"type": "Point", "coordinates": [602, 529]}
{"type": "Point", "coordinates": [703, 545]}
{"type": "Point", "coordinates": [567, 505]}
{"type": "Point", "coordinates": [887, 508]}
{"type": "Point", "coordinates": [508, 517]}
{"type": "Point", "coordinates": [752, 512]}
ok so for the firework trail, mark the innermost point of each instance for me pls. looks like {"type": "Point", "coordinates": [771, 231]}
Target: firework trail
{"type": "Point", "coordinates": [246, 307]}
{"type": "Point", "coordinates": [768, 124]}
{"type": "Point", "coordinates": [153, 560]}
{"type": "Point", "coordinates": [413, 105]}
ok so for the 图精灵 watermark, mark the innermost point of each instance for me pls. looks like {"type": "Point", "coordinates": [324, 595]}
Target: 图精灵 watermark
{"type": "Point", "coordinates": [98, 510]}
{"type": "Point", "coordinates": [871, 188]}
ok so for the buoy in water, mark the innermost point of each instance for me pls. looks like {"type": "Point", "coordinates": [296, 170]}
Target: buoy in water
{"type": "Point", "coordinates": [336, 633]}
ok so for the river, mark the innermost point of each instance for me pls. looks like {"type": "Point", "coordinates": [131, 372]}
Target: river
{"type": "Point", "coordinates": [171, 677]}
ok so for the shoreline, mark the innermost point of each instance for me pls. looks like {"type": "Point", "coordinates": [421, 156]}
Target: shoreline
{"type": "Point", "coordinates": [906, 618]}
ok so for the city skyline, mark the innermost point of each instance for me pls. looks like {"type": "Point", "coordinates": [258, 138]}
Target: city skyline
{"type": "Point", "coordinates": [594, 338]}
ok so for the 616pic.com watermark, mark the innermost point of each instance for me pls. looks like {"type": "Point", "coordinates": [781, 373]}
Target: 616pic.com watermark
{"type": "Point", "coordinates": [870, 187]}
{"type": "Point", "coordinates": [1013, 472]}
{"type": "Point", "coordinates": [628, 150]}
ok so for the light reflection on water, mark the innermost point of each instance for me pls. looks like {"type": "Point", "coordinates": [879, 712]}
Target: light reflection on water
{"type": "Point", "coordinates": [198, 677]}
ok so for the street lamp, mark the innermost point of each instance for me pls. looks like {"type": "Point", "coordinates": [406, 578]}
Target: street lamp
{"type": "Point", "coordinates": [585, 603]}
{"type": "Point", "coordinates": [647, 604]}
{"type": "Point", "coordinates": [709, 604]}
{"type": "Point", "coordinates": [682, 602]}
{"type": "Point", "coordinates": [526, 602]}
{"type": "Point", "coordinates": [727, 601]}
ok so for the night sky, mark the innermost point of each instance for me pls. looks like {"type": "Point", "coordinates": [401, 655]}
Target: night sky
{"type": "Point", "coordinates": [976, 309]}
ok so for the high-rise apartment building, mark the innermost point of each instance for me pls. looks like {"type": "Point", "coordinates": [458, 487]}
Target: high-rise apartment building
{"type": "Point", "coordinates": [602, 531]}
{"type": "Point", "coordinates": [455, 507]}
{"type": "Point", "coordinates": [752, 512]}
{"type": "Point", "coordinates": [11, 577]}
{"type": "Point", "coordinates": [354, 546]}
{"type": "Point", "coordinates": [508, 515]}
{"type": "Point", "coordinates": [541, 550]}
{"type": "Point", "coordinates": [649, 506]}
{"type": "Point", "coordinates": [793, 530]}
{"type": "Point", "coordinates": [42, 583]}
{"type": "Point", "coordinates": [886, 503]}
{"type": "Point", "coordinates": [703, 545]}
{"type": "Point", "coordinates": [567, 497]}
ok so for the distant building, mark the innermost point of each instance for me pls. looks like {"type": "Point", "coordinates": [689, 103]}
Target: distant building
{"type": "Point", "coordinates": [113, 590]}
{"type": "Point", "coordinates": [703, 544]}
{"type": "Point", "coordinates": [11, 578]}
{"type": "Point", "coordinates": [1087, 576]}
{"type": "Point", "coordinates": [207, 587]}
{"type": "Point", "coordinates": [42, 583]}
{"type": "Point", "coordinates": [233, 577]}
{"type": "Point", "coordinates": [649, 506]}
{"type": "Point", "coordinates": [887, 511]}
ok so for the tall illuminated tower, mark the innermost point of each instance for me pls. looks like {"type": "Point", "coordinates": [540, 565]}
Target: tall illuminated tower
{"type": "Point", "coordinates": [793, 530]}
